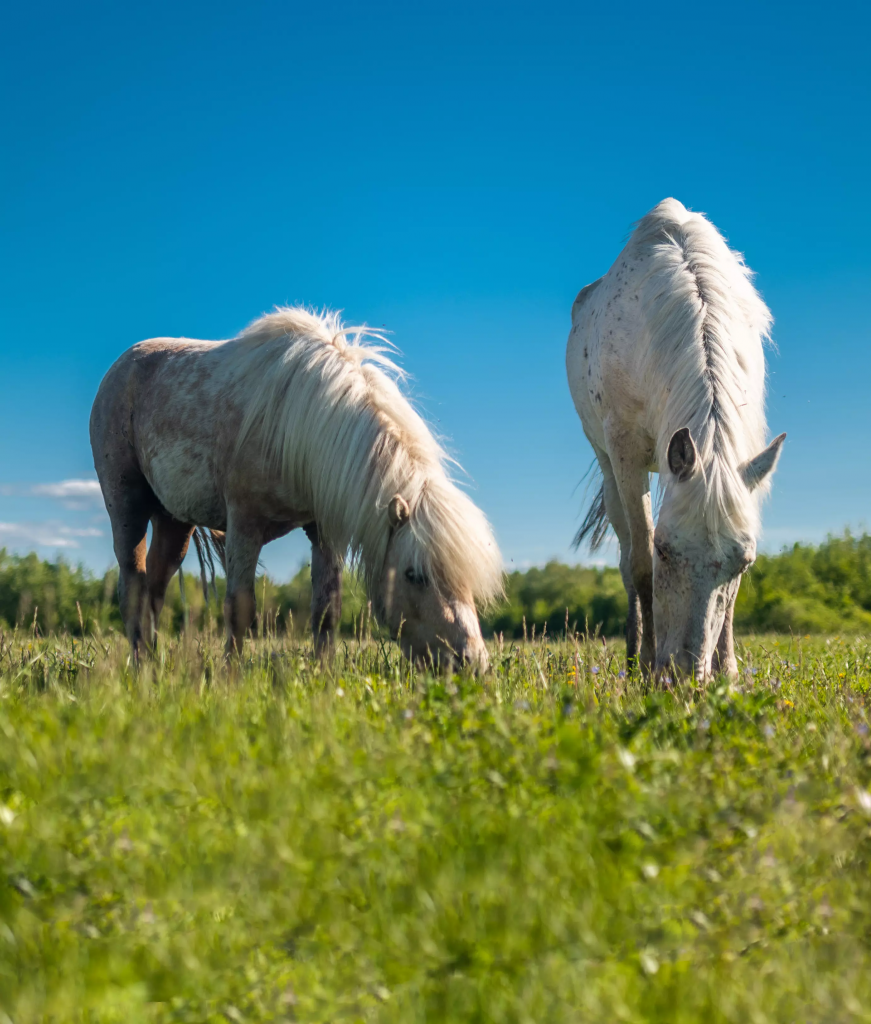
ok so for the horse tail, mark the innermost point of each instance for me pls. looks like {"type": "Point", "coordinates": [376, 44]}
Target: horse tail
{"type": "Point", "coordinates": [595, 525]}
{"type": "Point", "coordinates": [210, 545]}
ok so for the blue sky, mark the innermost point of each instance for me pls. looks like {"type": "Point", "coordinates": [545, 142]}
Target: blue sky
{"type": "Point", "coordinates": [454, 172]}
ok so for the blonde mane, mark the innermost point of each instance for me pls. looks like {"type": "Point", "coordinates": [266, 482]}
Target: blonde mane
{"type": "Point", "coordinates": [707, 325]}
{"type": "Point", "coordinates": [323, 403]}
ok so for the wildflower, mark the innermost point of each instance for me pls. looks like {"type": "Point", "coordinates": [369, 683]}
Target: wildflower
{"type": "Point", "coordinates": [626, 758]}
{"type": "Point", "coordinates": [621, 674]}
{"type": "Point", "coordinates": [825, 908]}
{"type": "Point", "coordinates": [788, 704]}
{"type": "Point", "coordinates": [595, 670]}
{"type": "Point", "coordinates": [649, 963]}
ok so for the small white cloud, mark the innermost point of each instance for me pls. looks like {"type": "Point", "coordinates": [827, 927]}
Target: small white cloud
{"type": "Point", "coordinates": [72, 493]}
{"type": "Point", "coordinates": [44, 535]}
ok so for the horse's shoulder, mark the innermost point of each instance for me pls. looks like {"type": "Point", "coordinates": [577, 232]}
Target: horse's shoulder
{"type": "Point", "coordinates": [583, 296]}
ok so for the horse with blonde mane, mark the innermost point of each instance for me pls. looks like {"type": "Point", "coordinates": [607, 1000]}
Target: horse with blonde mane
{"type": "Point", "coordinates": [297, 422]}
{"type": "Point", "coordinates": [667, 372]}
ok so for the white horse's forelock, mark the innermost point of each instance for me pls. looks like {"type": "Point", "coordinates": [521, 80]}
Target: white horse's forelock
{"type": "Point", "coordinates": [323, 402]}
{"type": "Point", "coordinates": [707, 323]}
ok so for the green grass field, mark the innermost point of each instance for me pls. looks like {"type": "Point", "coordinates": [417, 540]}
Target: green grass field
{"type": "Point", "coordinates": [356, 843]}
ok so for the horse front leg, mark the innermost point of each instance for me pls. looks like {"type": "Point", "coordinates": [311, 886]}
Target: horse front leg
{"type": "Point", "coordinates": [632, 482]}
{"type": "Point", "coordinates": [326, 592]}
{"type": "Point", "coordinates": [620, 524]}
{"type": "Point", "coordinates": [243, 544]}
{"type": "Point", "coordinates": [725, 661]}
{"type": "Point", "coordinates": [641, 562]}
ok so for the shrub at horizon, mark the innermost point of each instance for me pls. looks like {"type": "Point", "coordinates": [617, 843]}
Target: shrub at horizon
{"type": "Point", "coordinates": [804, 589]}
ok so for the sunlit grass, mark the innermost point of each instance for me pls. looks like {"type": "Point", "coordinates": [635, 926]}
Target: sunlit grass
{"type": "Point", "coordinates": [553, 842]}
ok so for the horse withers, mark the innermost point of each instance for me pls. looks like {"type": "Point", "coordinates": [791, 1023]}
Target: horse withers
{"type": "Point", "coordinates": [297, 422]}
{"type": "Point", "coordinates": [666, 370]}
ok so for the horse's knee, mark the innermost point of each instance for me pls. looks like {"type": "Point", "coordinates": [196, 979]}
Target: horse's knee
{"type": "Point", "coordinates": [324, 619]}
{"type": "Point", "coordinates": [326, 576]}
{"type": "Point", "coordinates": [326, 602]}
{"type": "Point", "coordinates": [324, 643]}
{"type": "Point", "coordinates": [239, 608]}
{"type": "Point", "coordinates": [132, 600]}
{"type": "Point", "coordinates": [642, 581]}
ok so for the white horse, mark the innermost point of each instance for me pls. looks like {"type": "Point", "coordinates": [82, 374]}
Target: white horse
{"type": "Point", "coordinates": [667, 373]}
{"type": "Point", "coordinates": [294, 423]}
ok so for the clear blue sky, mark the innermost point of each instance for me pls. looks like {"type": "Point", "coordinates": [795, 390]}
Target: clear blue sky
{"type": "Point", "coordinates": [455, 172]}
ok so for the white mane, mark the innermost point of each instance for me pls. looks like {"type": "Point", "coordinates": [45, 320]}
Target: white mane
{"type": "Point", "coordinates": [706, 324]}
{"type": "Point", "coordinates": [326, 407]}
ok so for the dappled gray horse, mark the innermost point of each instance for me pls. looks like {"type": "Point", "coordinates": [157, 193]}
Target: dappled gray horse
{"type": "Point", "coordinates": [294, 423]}
{"type": "Point", "coordinates": [667, 373]}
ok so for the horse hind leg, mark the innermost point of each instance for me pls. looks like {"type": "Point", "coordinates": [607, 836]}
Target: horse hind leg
{"type": "Point", "coordinates": [326, 607]}
{"type": "Point", "coordinates": [169, 545]}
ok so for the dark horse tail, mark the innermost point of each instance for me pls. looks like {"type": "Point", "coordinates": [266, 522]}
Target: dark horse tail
{"type": "Point", "coordinates": [211, 547]}
{"type": "Point", "coordinates": [595, 525]}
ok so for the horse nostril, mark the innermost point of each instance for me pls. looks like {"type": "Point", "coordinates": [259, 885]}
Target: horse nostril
{"type": "Point", "coordinates": [476, 657]}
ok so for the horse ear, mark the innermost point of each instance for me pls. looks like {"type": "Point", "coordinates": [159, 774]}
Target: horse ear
{"type": "Point", "coordinates": [398, 511]}
{"type": "Point", "coordinates": [756, 471]}
{"type": "Point", "coordinates": [682, 454]}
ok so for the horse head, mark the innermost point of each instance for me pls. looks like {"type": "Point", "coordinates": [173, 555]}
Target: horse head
{"type": "Point", "coordinates": [434, 621]}
{"type": "Point", "coordinates": [696, 575]}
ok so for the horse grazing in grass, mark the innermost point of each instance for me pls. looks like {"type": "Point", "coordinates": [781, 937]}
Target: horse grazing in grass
{"type": "Point", "coordinates": [297, 422]}
{"type": "Point", "coordinates": [667, 373]}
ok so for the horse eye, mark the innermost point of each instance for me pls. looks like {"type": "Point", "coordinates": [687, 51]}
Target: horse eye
{"type": "Point", "coordinates": [415, 578]}
{"type": "Point", "coordinates": [661, 553]}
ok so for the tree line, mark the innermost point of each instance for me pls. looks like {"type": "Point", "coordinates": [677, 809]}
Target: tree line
{"type": "Point", "coordinates": [823, 588]}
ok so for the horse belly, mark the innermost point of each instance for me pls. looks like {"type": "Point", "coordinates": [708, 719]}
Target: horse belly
{"type": "Point", "coordinates": [185, 480]}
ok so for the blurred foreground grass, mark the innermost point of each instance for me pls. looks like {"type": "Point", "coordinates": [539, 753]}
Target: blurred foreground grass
{"type": "Point", "coordinates": [358, 843]}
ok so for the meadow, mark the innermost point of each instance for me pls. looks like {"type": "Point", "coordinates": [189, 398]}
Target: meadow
{"type": "Point", "coordinates": [355, 841]}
